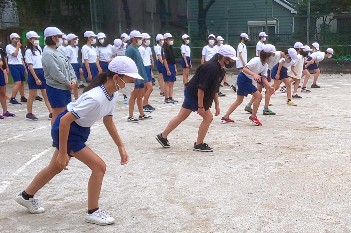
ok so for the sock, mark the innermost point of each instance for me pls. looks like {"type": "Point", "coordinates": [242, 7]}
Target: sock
{"type": "Point", "coordinates": [265, 108]}
{"type": "Point", "coordinates": [248, 105]}
{"type": "Point", "coordinates": [26, 196]}
{"type": "Point", "coordinates": [80, 82]}
{"type": "Point", "coordinates": [92, 211]}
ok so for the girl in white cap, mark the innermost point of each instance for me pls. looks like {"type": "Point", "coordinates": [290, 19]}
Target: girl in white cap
{"type": "Point", "coordinates": [72, 54]}
{"type": "Point", "coordinates": [63, 46]}
{"type": "Point", "coordinates": [91, 67]}
{"type": "Point", "coordinates": [253, 70]}
{"type": "Point", "coordinates": [17, 67]}
{"type": "Point", "coordinates": [262, 36]}
{"type": "Point", "coordinates": [71, 131]}
{"type": "Point", "coordinates": [3, 82]}
{"type": "Point", "coordinates": [185, 61]}
{"type": "Point", "coordinates": [170, 71]}
{"type": "Point", "coordinates": [159, 62]}
{"type": "Point", "coordinates": [297, 68]}
{"type": "Point", "coordinates": [209, 50]}
{"type": "Point", "coordinates": [241, 54]}
{"type": "Point", "coordinates": [59, 74]}
{"type": "Point", "coordinates": [36, 79]}
{"type": "Point", "coordinates": [118, 49]}
{"type": "Point", "coordinates": [146, 55]}
{"type": "Point", "coordinates": [104, 51]}
{"type": "Point", "coordinates": [219, 44]}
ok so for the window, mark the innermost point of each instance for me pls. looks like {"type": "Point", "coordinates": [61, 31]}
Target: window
{"type": "Point", "coordinates": [255, 27]}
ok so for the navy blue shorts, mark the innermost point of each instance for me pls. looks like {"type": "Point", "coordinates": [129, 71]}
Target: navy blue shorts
{"type": "Point", "coordinates": [283, 72]}
{"type": "Point", "coordinates": [190, 102]}
{"type": "Point", "coordinates": [58, 98]}
{"type": "Point", "coordinates": [172, 77]}
{"type": "Point", "coordinates": [17, 72]}
{"type": "Point", "coordinates": [31, 81]}
{"type": "Point", "coordinates": [139, 86]}
{"type": "Point", "coordinates": [104, 66]}
{"type": "Point", "coordinates": [148, 73]}
{"type": "Point", "coordinates": [313, 66]}
{"type": "Point", "coordinates": [182, 62]}
{"type": "Point", "coordinates": [77, 136]}
{"type": "Point", "coordinates": [245, 85]}
{"type": "Point", "coordinates": [160, 67]}
{"type": "Point", "coordinates": [2, 78]}
{"type": "Point", "coordinates": [76, 67]}
{"type": "Point", "coordinates": [93, 69]}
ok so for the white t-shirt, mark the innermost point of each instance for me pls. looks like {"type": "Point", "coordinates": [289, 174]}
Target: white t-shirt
{"type": "Point", "coordinates": [93, 105]}
{"type": "Point", "coordinates": [319, 56]}
{"type": "Point", "coordinates": [146, 54]}
{"type": "Point", "coordinates": [158, 50]}
{"type": "Point", "coordinates": [10, 49]}
{"type": "Point", "coordinates": [62, 49]}
{"type": "Point", "coordinates": [208, 52]}
{"type": "Point", "coordinates": [72, 54]}
{"type": "Point", "coordinates": [243, 50]}
{"type": "Point", "coordinates": [273, 60]}
{"type": "Point", "coordinates": [256, 66]}
{"type": "Point", "coordinates": [185, 49]}
{"type": "Point", "coordinates": [34, 60]}
{"type": "Point", "coordinates": [286, 64]}
{"type": "Point", "coordinates": [89, 53]}
{"type": "Point", "coordinates": [104, 53]}
{"type": "Point", "coordinates": [298, 67]}
{"type": "Point", "coordinates": [259, 47]}
{"type": "Point", "coordinates": [217, 47]}
{"type": "Point", "coordinates": [121, 51]}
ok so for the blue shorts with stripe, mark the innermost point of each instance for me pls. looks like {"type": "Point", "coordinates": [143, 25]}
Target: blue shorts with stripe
{"type": "Point", "coordinates": [17, 72]}
{"type": "Point", "coordinates": [31, 81]}
{"type": "Point", "coordinates": [58, 98]}
{"type": "Point", "coordinates": [245, 85]}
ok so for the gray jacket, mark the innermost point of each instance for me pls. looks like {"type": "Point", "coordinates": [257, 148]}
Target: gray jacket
{"type": "Point", "coordinates": [58, 71]}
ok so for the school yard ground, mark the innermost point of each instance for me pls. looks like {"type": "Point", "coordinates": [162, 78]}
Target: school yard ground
{"type": "Point", "coordinates": [291, 175]}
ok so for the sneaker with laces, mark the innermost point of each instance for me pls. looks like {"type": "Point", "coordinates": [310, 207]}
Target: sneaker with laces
{"type": "Point", "coordinates": [99, 217]}
{"type": "Point", "coordinates": [31, 116]}
{"type": "Point", "coordinates": [226, 84]}
{"type": "Point", "coordinates": [296, 96]}
{"type": "Point", "coordinates": [162, 94]}
{"type": "Point", "coordinates": [9, 114]}
{"type": "Point", "coordinates": [268, 112]}
{"type": "Point", "coordinates": [31, 204]}
{"type": "Point", "coordinates": [304, 89]}
{"type": "Point", "coordinates": [255, 121]}
{"type": "Point", "coordinates": [248, 109]}
{"type": "Point", "coordinates": [220, 94]}
{"type": "Point", "coordinates": [290, 103]}
{"type": "Point", "coordinates": [23, 99]}
{"type": "Point", "coordinates": [168, 101]}
{"type": "Point", "coordinates": [203, 147]}
{"type": "Point", "coordinates": [233, 88]}
{"type": "Point", "coordinates": [81, 86]}
{"type": "Point", "coordinates": [314, 85]}
{"type": "Point", "coordinates": [173, 100]}
{"type": "Point", "coordinates": [132, 119]}
{"type": "Point", "coordinates": [144, 117]}
{"type": "Point", "coordinates": [2, 117]}
{"type": "Point", "coordinates": [14, 101]}
{"type": "Point", "coordinates": [50, 116]}
{"type": "Point", "coordinates": [147, 109]}
{"type": "Point", "coordinates": [226, 120]}
{"type": "Point", "coordinates": [283, 89]}
{"type": "Point", "coordinates": [38, 98]}
{"type": "Point", "coordinates": [163, 141]}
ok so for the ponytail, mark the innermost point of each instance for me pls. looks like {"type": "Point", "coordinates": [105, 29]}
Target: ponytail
{"type": "Point", "coordinates": [100, 79]}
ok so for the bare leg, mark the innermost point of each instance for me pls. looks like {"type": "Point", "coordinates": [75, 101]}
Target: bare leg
{"type": "Point", "coordinates": [55, 113]}
{"type": "Point", "coordinates": [133, 96]}
{"type": "Point", "coordinates": [238, 101]}
{"type": "Point", "coordinates": [205, 124]}
{"type": "Point", "coordinates": [3, 98]}
{"type": "Point", "coordinates": [307, 77]}
{"type": "Point", "coordinates": [161, 82]}
{"type": "Point", "coordinates": [316, 75]}
{"type": "Point", "coordinates": [288, 88]}
{"type": "Point", "coordinates": [16, 87]}
{"type": "Point", "coordinates": [31, 97]}
{"type": "Point", "coordinates": [257, 100]}
{"type": "Point", "coordinates": [148, 91]}
{"type": "Point", "coordinates": [182, 115]}
{"type": "Point", "coordinates": [21, 89]}
{"type": "Point", "coordinates": [140, 94]}
{"type": "Point", "coordinates": [166, 89]}
{"type": "Point", "coordinates": [185, 75]}
{"type": "Point", "coordinates": [171, 86]}
{"type": "Point", "coordinates": [46, 100]}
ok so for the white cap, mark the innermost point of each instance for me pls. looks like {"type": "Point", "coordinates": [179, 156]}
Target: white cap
{"type": "Point", "coordinates": [101, 35]}
{"type": "Point", "coordinates": [298, 45]}
{"type": "Point", "coordinates": [64, 36]}
{"type": "Point", "coordinates": [135, 34]}
{"type": "Point", "coordinates": [306, 48]}
{"type": "Point", "coordinates": [89, 34]}
{"type": "Point", "coordinates": [145, 36]}
{"type": "Point", "coordinates": [52, 31]}
{"type": "Point", "coordinates": [32, 34]}
{"type": "Point", "coordinates": [228, 51]}
{"type": "Point", "coordinates": [159, 37]}
{"type": "Point", "coordinates": [127, 38]}
{"type": "Point", "coordinates": [124, 65]}
{"type": "Point", "coordinates": [167, 35]}
{"type": "Point", "coordinates": [330, 50]}
{"type": "Point", "coordinates": [269, 48]}
{"type": "Point", "coordinates": [185, 36]}
{"type": "Point", "coordinates": [117, 43]}
{"type": "Point", "coordinates": [124, 35]}
{"type": "Point", "coordinates": [293, 54]}
{"type": "Point", "coordinates": [71, 36]}
{"type": "Point", "coordinates": [211, 35]}
{"type": "Point", "coordinates": [244, 35]}
{"type": "Point", "coordinates": [219, 38]}
{"type": "Point", "coordinates": [316, 45]}
{"type": "Point", "coordinates": [262, 34]}
{"type": "Point", "coordinates": [14, 35]}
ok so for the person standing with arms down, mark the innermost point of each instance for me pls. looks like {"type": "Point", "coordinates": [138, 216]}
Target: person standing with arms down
{"type": "Point", "coordinates": [17, 67]}
{"type": "Point", "coordinates": [91, 65]}
{"type": "Point", "coordinates": [199, 94]}
{"type": "Point", "coordinates": [170, 70]}
{"type": "Point", "coordinates": [185, 61]}
{"type": "Point", "coordinates": [159, 62]}
{"type": "Point", "coordinates": [262, 36]}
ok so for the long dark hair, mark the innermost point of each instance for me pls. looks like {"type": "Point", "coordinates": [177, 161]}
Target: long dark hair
{"type": "Point", "coordinates": [264, 56]}
{"type": "Point", "coordinates": [101, 79]}
{"type": "Point", "coordinates": [106, 42]}
{"type": "Point", "coordinates": [32, 47]}
{"type": "Point", "coordinates": [49, 41]}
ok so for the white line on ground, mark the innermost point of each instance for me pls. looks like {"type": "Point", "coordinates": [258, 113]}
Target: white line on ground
{"type": "Point", "coordinates": [20, 135]}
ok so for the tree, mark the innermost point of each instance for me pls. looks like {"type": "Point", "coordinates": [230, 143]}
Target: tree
{"type": "Point", "coordinates": [202, 14]}
{"type": "Point", "coordinates": [127, 14]}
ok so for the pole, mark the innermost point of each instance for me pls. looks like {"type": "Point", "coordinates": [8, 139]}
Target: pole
{"type": "Point", "coordinates": [226, 20]}
{"type": "Point", "coordinates": [91, 14]}
{"type": "Point", "coordinates": [308, 21]}
{"type": "Point", "coordinates": [152, 19]}
{"type": "Point", "coordinates": [266, 25]}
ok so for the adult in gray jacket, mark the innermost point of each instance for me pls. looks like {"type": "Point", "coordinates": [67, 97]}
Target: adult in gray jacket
{"type": "Point", "coordinates": [58, 72]}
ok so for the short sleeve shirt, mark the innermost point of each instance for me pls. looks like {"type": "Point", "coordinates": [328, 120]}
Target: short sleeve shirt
{"type": "Point", "coordinates": [146, 54]}
{"type": "Point", "coordinates": [259, 47]}
{"type": "Point", "coordinates": [34, 59]}
{"type": "Point", "coordinates": [10, 49]}
{"type": "Point", "coordinates": [72, 54]}
{"type": "Point", "coordinates": [256, 66]}
{"type": "Point", "coordinates": [208, 52]}
{"type": "Point", "coordinates": [104, 54]}
{"type": "Point", "coordinates": [243, 50]}
{"type": "Point", "coordinates": [185, 49]}
{"type": "Point", "coordinates": [319, 56]}
{"type": "Point", "coordinates": [89, 53]}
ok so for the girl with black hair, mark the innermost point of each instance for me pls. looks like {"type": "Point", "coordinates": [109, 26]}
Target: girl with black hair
{"type": "Point", "coordinates": [71, 131]}
{"type": "Point", "coordinates": [36, 79]}
{"type": "Point", "coordinates": [185, 61]}
{"type": "Point", "coordinates": [91, 65]}
{"type": "Point", "coordinates": [104, 51]}
{"type": "Point", "coordinates": [3, 82]}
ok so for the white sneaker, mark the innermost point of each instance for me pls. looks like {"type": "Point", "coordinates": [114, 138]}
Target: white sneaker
{"type": "Point", "coordinates": [99, 217]}
{"type": "Point", "coordinates": [32, 204]}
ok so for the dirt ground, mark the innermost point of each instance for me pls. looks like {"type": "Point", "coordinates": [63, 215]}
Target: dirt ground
{"type": "Point", "coordinates": [291, 175]}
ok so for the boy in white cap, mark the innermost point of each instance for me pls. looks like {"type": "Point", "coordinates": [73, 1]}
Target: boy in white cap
{"type": "Point", "coordinates": [297, 69]}
{"type": "Point", "coordinates": [132, 51]}
{"type": "Point", "coordinates": [17, 67]}
{"type": "Point", "coordinates": [185, 61]}
{"type": "Point", "coordinates": [311, 66]}
{"type": "Point", "coordinates": [241, 54]}
{"type": "Point", "coordinates": [159, 62]}
{"type": "Point", "coordinates": [103, 51]}
{"type": "Point", "coordinates": [71, 131]}
{"type": "Point", "coordinates": [199, 94]}
{"type": "Point", "coordinates": [72, 54]}
{"type": "Point", "coordinates": [91, 67]}
{"type": "Point", "coordinates": [209, 50]}
{"type": "Point", "coordinates": [262, 36]}
{"type": "Point", "coordinates": [146, 55]}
